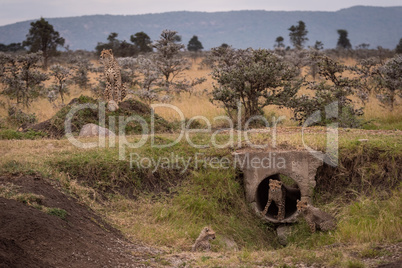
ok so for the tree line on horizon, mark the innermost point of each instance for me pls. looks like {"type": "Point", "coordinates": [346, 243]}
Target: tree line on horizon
{"type": "Point", "coordinates": [140, 42]}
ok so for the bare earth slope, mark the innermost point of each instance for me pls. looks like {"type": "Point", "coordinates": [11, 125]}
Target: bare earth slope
{"type": "Point", "coordinates": [30, 237]}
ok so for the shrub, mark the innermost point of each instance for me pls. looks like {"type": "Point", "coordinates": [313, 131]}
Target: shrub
{"type": "Point", "coordinates": [334, 86]}
{"type": "Point", "coordinates": [389, 79]}
{"type": "Point", "coordinates": [17, 116]}
{"type": "Point", "coordinates": [254, 78]}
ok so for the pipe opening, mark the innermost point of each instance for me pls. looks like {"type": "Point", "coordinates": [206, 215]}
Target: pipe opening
{"type": "Point", "coordinates": [292, 195]}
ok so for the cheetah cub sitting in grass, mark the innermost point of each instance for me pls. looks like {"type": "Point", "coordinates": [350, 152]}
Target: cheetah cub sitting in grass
{"type": "Point", "coordinates": [316, 219]}
{"type": "Point", "coordinates": [202, 242]}
{"type": "Point", "coordinates": [276, 193]}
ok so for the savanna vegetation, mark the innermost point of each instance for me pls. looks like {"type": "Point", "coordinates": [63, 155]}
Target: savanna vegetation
{"type": "Point", "coordinates": [163, 192]}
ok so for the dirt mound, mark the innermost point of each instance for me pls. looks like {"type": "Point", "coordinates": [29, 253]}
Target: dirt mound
{"type": "Point", "coordinates": [30, 237]}
{"type": "Point", "coordinates": [12, 255]}
{"type": "Point", "coordinates": [55, 126]}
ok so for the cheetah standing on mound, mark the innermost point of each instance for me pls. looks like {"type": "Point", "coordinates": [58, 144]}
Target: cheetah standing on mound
{"type": "Point", "coordinates": [276, 193]}
{"type": "Point", "coordinates": [316, 218]}
{"type": "Point", "coordinates": [202, 242]}
{"type": "Point", "coordinates": [115, 90]}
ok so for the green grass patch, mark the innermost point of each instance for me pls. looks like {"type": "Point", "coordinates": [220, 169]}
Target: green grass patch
{"type": "Point", "coordinates": [390, 122]}
{"type": "Point", "coordinates": [302, 237]}
{"type": "Point", "coordinates": [372, 220]}
{"type": "Point", "coordinates": [9, 134]}
{"type": "Point", "coordinates": [15, 167]}
{"type": "Point", "coordinates": [354, 264]}
{"type": "Point", "coordinates": [369, 168]}
{"type": "Point", "coordinates": [215, 199]}
{"type": "Point", "coordinates": [372, 252]}
{"type": "Point", "coordinates": [58, 212]}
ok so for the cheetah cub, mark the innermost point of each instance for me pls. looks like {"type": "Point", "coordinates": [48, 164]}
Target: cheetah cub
{"type": "Point", "coordinates": [276, 193]}
{"type": "Point", "coordinates": [202, 242]}
{"type": "Point", "coordinates": [316, 218]}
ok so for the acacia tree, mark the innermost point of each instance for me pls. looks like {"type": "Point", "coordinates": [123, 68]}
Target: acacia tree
{"type": "Point", "coordinates": [13, 47]}
{"type": "Point", "coordinates": [80, 67]}
{"type": "Point", "coordinates": [279, 42]}
{"type": "Point", "coordinates": [168, 59]}
{"type": "Point", "coordinates": [312, 62]}
{"type": "Point", "coordinates": [150, 91]}
{"type": "Point", "coordinates": [366, 69]}
{"type": "Point", "coordinates": [120, 48]}
{"type": "Point", "coordinates": [60, 83]}
{"type": "Point", "coordinates": [161, 73]}
{"type": "Point", "coordinates": [194, 44]}
{"type": "Point", "coordinates": [343, 41]}
{"type": "Point", "coordinates": [389, 81]}
{"type": "Point", "coordinates": [298, 35]}
{"type": "Point", "coordinates": [21, 77]}
{"type": "Point", "coordinates": [255, 78]}
{"type": "Point", "coordinates": [142, 41]}
{"type": "Point", "coordinates": [398, 48]}
{"type": "Point", "coordinates": [43, 37]}
{"type": "Point", "coordinates": [318, 45]}
{"type": "Point", "coordinates": [128, 68]}
{"type": "Point", "coordinates": [171, 65]}
{"type": "Point", "coordinates": [334, 85]}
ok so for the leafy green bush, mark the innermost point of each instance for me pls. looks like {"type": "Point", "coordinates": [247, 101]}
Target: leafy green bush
{"type": "Point", "coordinates": [253, 78]}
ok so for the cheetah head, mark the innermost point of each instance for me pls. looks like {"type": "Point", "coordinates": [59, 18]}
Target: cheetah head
{"type": "Point", "coordinates": [106, 53]}
{"type": "Point", "coordinates": [274, 185]}
{"type": "Point", "coordinates": [208, 233]}
{"type": "Point", "coordinates": [301, 206]}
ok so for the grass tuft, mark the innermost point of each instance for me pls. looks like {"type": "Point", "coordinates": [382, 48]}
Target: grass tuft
{"type": "Point", "coordinates": [9, 134]}
{"type": "Point", "coordinates": [372, 220]}
{"type": "Point", "coordinates": [58, 212]}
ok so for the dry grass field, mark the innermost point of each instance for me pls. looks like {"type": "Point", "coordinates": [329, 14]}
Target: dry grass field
{"type": "Point", "coordinates": [198, 104]}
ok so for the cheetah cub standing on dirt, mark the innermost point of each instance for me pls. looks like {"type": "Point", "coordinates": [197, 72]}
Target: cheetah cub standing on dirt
{"type": "Point", "coordinates": [202, 242]}
{"type": "Point", "coordinates": [276, 193]}
{"type": "Point", "coordinates": [316, 219]}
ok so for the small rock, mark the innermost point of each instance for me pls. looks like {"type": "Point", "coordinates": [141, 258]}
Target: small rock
{"type": "Point", "coordinates": [283, 233]}
{"type": "Point", "coordinates": [363, 140]}
{"type": "Point", "coordinates": [50, 146]}
{"type": "Point", "coordinates": [91, 130]}
{"type": "Point", "coordinates": [230, 243]}
{"type": "Point", "coordinates": [112, 106]}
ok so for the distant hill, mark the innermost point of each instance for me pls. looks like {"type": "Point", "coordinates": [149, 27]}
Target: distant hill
{"type": "Point", "coordinates": [377, 26]}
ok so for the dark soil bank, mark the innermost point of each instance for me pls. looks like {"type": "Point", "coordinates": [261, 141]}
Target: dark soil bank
{"type": "Point", "coordinates": [31, 238]}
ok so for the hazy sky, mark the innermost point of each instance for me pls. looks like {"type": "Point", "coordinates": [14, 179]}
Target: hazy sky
{"type": "Point", "coordinates": [19, 10]}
